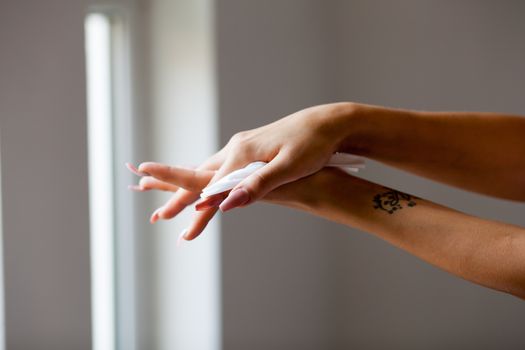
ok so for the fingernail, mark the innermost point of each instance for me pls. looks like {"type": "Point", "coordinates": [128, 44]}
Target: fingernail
{"type": "Point", "coordinates": [181, 237]}
{"type": "Point", "coordinates": [135, 171]}
{"type": "Point", "coordinates": [236, 198]}
{"type": "Point", "coordinates": [210, 202]}
{"type": "Point", "coordinates": [156, 215]}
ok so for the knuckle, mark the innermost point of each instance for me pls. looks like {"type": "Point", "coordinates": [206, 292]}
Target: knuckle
{"type": "Point", "coordinates": [239, 136]}
{"type": "Point", "coordinates": [240, 139]}
{"type": "Point", "coordinates": [193, 176]}
{"type": "Point", "coordinates": [192, 181]}
{"type": "Point", "coordinates": [169, 171]}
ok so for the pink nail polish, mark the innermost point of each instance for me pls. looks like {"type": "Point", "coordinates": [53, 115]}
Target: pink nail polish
{"type": "Point", "coordinates": [181, 237]}
{"type": "Point", "coordinates": [236, 198]}
{"type": "Point", "coordinates": [156, 215]}
{"type": "Point", "coordinates": [135, 188]}
{"type": "Point", "coordinates": [135, 171]}
{"type": "Point", "coordinates": [154, 218]}
{"type": "Point", "coordinates": [210, 202]}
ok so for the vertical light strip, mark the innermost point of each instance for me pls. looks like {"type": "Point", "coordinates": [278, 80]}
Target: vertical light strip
{"type": "Point", "coordinates": [185, 283]}
{"type": "Point", "coordinates": [2, 308]}
{"type": "Point", "coordinates": [125, 229]}
{"type": "Point", "coordinates": [99, 104]}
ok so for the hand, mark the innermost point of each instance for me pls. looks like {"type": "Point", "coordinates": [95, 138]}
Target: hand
{"type": "Point", "coordinates": [294, 147]}
{"type": "Point", "coordinates": [302, 194]}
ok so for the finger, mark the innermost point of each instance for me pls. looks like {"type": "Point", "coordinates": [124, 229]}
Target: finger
{"type": "Point", "coordinates": [232, 163]}
{"type": "Point", "coordinates": [235, 161]}
{"type": "Point", "coordinates": [182, 198]}
{"type": "Point", "coordinates": [190, 179]}
{"type": "Point", "coordinates": [210, 202]}
{"type": "Point", "coordinates": [177, 203]}
{"type": "Point", "coordinates": [148, 183]}
{"type": "Point", "coordinates": [258, 184]}
{"type": "Point", "coordinates": [199, 223]}
{"type": "Point", "coordinates": [134, 170]}
{"type": "Point", "coordinates": [202, 218]}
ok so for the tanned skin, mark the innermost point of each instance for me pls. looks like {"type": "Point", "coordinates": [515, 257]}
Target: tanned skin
{"type": "Point", "coordinates": [479, 152]}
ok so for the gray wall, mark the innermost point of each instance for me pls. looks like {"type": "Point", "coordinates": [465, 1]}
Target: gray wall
{"type": "Point", "coordinates": [289, 280]}
{"type": "Point", "coordinates": [44, 174]}
{"type": "Point", "coordinates": [294, 281]}
{"type": "Point", "coordinates": [279, 287]}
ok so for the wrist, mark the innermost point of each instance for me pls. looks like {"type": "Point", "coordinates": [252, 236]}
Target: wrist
{"type": "Point", "coordinates": [311, 193]}
{"type": "Point", "coordinates": [350, 126]}
{"type": "Point", "coordinates": [370, 131]}
{"type": "Point", "coordinates": [358, 130]}
{"type": "Point", "coordinates": [338, 196]}
{"type": "Point", "coordinates": [320, 191]}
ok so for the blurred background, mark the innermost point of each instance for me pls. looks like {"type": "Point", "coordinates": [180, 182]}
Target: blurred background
{"type": "Point", "coordinates": [86, 85]}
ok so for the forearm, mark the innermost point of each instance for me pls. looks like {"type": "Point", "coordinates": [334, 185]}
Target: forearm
{"type": "Point", "coordinates": [480, 152]}
{"type": "Point", "coordinates": [484, 252]}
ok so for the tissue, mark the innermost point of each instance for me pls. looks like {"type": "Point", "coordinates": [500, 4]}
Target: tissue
{"type": "Point", "coordinates": [345, 161]}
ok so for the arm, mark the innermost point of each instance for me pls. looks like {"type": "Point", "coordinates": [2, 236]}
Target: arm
{"type": "Point", "coordinates": [480, 152]}
{"type": "Point", "coordinates": [475, 151]}
{"type": "Point", "coordinates": [485, 252]}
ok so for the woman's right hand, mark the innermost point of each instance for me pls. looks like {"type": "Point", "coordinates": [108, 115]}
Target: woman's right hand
{"type": "Point", "coordinates": [303, 194]}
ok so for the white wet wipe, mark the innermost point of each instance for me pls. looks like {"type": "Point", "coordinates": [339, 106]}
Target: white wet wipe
{"type": "Point", "coordinates": [344, 161]}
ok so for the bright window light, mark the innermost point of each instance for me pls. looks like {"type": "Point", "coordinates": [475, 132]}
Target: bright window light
{"type": "Point", "coordinates": [101, 192]}
{"type": "Point", "coordinates": [2, 309]}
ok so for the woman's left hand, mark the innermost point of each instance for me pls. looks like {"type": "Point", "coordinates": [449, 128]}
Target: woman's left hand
{"type": "Point", "coordinates": [293, 147]}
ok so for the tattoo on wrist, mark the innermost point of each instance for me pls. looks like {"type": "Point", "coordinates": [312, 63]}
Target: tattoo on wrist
{"type": "Point", "coordinates": [392, 200]}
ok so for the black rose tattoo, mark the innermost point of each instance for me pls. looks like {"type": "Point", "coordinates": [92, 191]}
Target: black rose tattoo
{"type": "Point", "coordinates": [392, 200]}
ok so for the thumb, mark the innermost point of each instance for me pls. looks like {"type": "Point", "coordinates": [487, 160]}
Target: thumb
{"type": "Point", "coordinates": [255, 186]}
